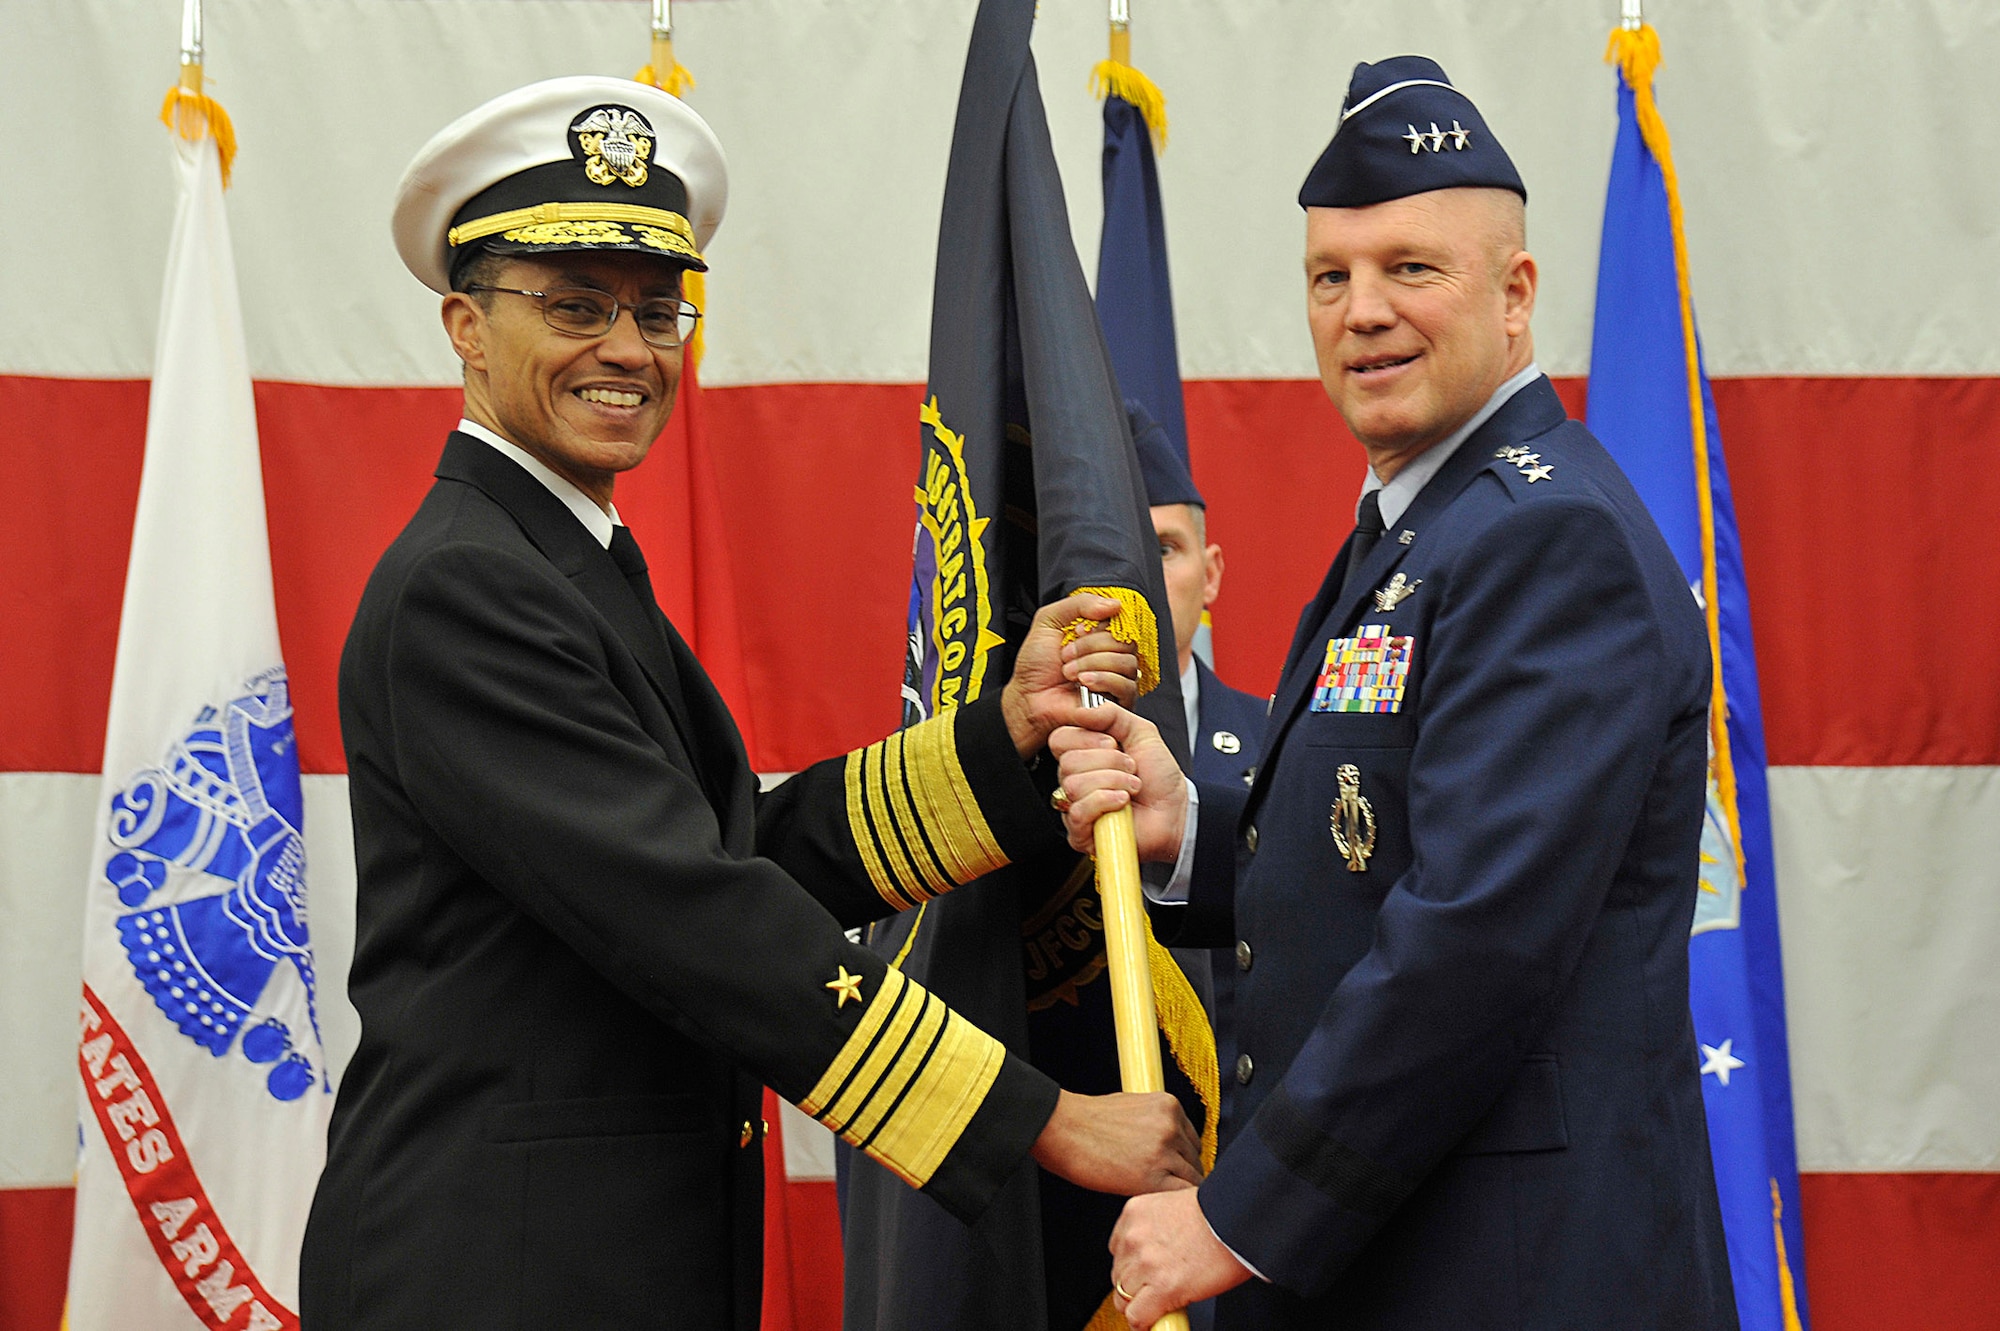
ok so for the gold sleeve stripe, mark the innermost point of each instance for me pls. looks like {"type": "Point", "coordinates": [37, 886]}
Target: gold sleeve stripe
{"type": "Point", "coordinates": [917, 1135]}
{"type": "Point", "coordinates": [951, 812]}
{"type": "Point", "coordinates": [864, 1114]}
{"type": "Point", "coordinates": [878, 1011]}
{"type": "Point", "coordinates": [907, 1081]}
{"type": "Point", "coordinates": [898, 883]}
{"type": "Point", "coordinates": [915, 821]}
{"type": "Point", "coordinates": [881, 1061]}
{"type": "Point", "coordinates": [896, 776]}
{"type": "Point", "coordinates": [864, 834]}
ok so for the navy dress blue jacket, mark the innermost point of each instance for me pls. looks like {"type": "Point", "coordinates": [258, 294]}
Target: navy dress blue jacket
{"type": "Point", "coordinates": [1467, 1089]}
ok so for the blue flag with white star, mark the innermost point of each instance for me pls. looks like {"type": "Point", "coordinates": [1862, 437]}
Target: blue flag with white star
{"type": "Point", "coordinates": [1645, 382]}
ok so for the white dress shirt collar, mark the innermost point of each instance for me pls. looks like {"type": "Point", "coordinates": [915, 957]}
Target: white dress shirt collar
{"type": "Point", "coordinates": [1403, 488]}
{"type": "Point", "coordinates": [599, 523]}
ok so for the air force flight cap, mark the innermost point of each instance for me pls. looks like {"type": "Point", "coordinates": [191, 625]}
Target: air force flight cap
{"type": "Point", "coordinates": [1168, 480]}
{"type": "Point", "coordinates": [578, 163]}
{"type": "Point", "coordinates": [1405, 130]}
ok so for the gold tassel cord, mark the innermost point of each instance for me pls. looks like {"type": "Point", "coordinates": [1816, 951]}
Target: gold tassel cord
{"type": "Point", "coordinates": [1134, 624]}
{"type": "Point", "coordinates": [1115, 78]}
{"type": "Point", "coordinates": [193, 114]}
{"type": "Point", "coordinates": [1636, 52]}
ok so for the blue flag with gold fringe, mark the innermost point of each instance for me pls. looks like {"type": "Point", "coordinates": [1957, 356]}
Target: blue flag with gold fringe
{"type": "Point", "coordinates": [1028, 489]}
{"type": "Point", "coordinates": [1649, 402]}
{"type": "Point", "coordinates": [1135, 296]}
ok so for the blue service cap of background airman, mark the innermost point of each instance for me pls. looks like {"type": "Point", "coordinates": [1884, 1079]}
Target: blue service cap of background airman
{"type": "Point", "coordinates": [1168, 480]}
{"type": "Point", "coordinates": [578, 163]}
{"type": "Point", "coordinates": [1404, 129]}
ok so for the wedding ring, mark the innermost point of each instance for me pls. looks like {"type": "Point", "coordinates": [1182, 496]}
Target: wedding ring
{"type": "Point", "coordinates": [1059, 798]}
{"type": "Point", "coordinates": [1121, 1291]}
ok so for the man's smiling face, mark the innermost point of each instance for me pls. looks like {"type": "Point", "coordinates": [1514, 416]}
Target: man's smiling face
{"type": "Point", "coordinates": [587, 407]}
{"type": "Point", "coordinates": [1419, 309]}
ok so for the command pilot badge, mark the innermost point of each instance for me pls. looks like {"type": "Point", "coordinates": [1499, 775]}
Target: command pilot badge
{"type": "Point", "coordinates": [1353, 820]}
{"type": "Point", "coordinates": [1400, 587]}
{"type": "Point", "coordinates": [617, 143]}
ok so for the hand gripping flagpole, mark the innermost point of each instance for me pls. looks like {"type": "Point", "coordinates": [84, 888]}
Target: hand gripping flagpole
{"type": "Point", "coordinates": [1128, 962]}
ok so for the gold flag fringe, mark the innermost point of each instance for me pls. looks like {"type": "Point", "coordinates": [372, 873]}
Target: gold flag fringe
{"type": "Point", "coordinates": [676, 81]}
{"type": "Point", "coordinates": [1134, 624]}
{"type": "Point", "coordinates": [192, 115]}
{"type": "Point", "coordinates": [1636, 52]}
{"type": "Point", "coordinates": [1115, 78]}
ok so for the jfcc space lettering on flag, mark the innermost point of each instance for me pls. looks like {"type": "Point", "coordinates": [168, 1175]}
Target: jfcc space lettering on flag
{"type": "Point", "coordinates": [204, 1088]}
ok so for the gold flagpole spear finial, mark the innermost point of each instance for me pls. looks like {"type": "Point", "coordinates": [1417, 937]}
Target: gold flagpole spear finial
{"type": "Point", "coordinates": [190, 112]}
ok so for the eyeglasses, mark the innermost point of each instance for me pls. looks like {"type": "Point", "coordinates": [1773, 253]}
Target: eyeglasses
{"type": "Point", "coordinates": [585, 312]}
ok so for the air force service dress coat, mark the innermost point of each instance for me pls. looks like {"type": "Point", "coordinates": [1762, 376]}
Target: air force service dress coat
{"type": "Point", "coordinates": [1467, 1091]}
{"type": "Point", "coordinates": [583, 942]}
{"type": "Point", "coordinates": [1223, 750]}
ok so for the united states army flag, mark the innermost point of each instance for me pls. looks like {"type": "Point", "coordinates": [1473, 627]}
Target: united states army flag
{"type": "Point", "coordinates": [203, 1088]}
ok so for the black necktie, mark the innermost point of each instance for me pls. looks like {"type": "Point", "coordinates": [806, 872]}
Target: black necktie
{"type": "Point", "coordinates": [1367, 531]}
{"type": "Point", "coordinates": [625, 553]}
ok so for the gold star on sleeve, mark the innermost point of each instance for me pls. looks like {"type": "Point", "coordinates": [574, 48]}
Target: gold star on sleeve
{"type": "Point", "coordinates": [846, 987]}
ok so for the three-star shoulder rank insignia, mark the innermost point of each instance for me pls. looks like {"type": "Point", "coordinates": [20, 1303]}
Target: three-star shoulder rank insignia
{"type": "Point", "coordinates": [1529, 464]}
{"type": "Point", "coordinates": [846, 988]}
{"type": "Point", "coordinates": [1400, 587]}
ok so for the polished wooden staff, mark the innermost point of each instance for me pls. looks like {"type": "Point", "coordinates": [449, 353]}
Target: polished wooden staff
{"type": "Point", "coordinates": [1128, 963]}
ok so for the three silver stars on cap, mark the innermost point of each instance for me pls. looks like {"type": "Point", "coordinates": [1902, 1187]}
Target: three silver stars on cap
{"type": "Point", "coordinates": [1460, 137]}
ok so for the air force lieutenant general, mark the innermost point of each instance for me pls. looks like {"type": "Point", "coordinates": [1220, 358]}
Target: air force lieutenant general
{"type": "Point", "coordinates": [1463, 877]}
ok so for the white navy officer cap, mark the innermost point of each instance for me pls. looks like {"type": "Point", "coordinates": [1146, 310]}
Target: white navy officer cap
{"type": "Point", "coordinates": [578, 163]}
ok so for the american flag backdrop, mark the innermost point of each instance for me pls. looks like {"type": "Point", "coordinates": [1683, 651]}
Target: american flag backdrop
{"type": "Point", "coordinates": [1841, 223]}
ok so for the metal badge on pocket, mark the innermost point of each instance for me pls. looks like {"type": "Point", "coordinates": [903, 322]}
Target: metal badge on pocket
{"type": "Point", "coordinates": [1353, 820]}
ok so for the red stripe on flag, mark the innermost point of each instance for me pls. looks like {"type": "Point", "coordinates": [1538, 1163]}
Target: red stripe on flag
{"type": "Point", "coordinates": [1868, 509]}
{"type": "Point", "coordinates": [1888, 1251]}
{"type": "Point", "coordinates": [34, 1256]}
{"type": "Point", "coordinates": [194, 1247]}
{"type": "Point", "coordinates": [69, 450]}
{"type": "Point", "coordinates": [1859, 499]}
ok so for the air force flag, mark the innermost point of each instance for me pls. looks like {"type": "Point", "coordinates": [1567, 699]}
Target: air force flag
{"type": "Point", "coordinates": [1649, 402]}
{"type": "Point", "coordinates": [203, 1086]}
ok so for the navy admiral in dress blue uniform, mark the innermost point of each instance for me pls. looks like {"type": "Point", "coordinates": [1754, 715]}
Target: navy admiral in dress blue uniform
{"type": "Point", "coordinates": [1465, 872]}
{"type": "Point", "coordinates": [583, 938]}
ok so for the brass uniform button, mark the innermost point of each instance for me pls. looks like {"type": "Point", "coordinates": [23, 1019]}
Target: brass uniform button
{"type": "Point", "coordinates": [1250, 839]}
{"type": "Point", "coordinates": [1244, 956]}
{"type": "Point", "coordinates": [1244, 1069]}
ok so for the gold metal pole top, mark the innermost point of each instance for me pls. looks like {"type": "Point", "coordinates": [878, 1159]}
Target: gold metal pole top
{"type": "Point", "coordinates": [1632, 18]}
{"type": "Point", "coordinates": [1121, 31]}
